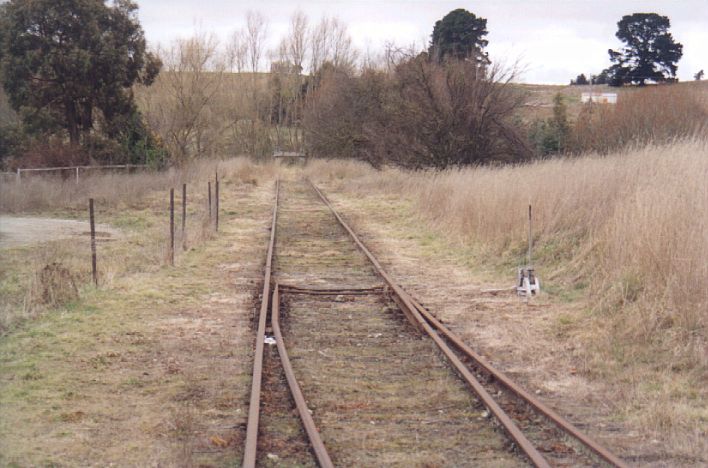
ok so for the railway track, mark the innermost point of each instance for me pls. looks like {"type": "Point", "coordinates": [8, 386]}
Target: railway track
{"type": "Point", "coordinates": [379, 391]}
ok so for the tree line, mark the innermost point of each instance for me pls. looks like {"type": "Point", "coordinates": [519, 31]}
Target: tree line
{"type": "Point", "coordinates": [85, 88]}
{"type": "Point", "coordinates": [83, 84]}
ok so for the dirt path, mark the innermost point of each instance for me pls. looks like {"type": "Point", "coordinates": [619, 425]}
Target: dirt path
{"type": "Point", "coordinates": [20, 231]}
{"type": "Point", "coordinates": [380, 394]}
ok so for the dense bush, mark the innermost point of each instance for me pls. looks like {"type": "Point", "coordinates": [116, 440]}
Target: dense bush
{"type": "Point", "coordinates": [132, 143]}
{"type": "Point", "coordinates": [421, 114]}
{"type": "Point", "coordinates": [342, 114]}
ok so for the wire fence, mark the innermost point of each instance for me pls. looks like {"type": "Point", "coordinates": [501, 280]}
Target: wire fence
{"type": "Point", "coordinates": [74, 170]}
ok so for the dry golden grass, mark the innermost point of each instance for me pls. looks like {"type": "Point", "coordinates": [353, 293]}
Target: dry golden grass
{"type": "Point", "coordinates": [36, 193]}
{"type": "Point", "coordinates": [626, 234]}
{"type": "Point", "coordinates": [632, 226]}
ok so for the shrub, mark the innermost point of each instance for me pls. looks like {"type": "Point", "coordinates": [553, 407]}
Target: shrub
{"type": "Point", "coordinates": [12, 140]}
{"type": "Point", "coordinates": [339, 118]}
{"type": "Point", "coordinates": [551, 135]}
{"type": "Point", "coordinates": [51, 151]}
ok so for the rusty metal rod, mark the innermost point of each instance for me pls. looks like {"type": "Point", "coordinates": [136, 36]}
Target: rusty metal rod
{"type": "Point", "coordinates": [250, 447]}
{"type": "Point", "coordinates": [333, 293]}
{"type": "Point", "coordinates": [405, 302]}
{"type": "Point", "coordinates": [309, 288]}
{"type": "Point", "coordinates": [308, 423]}
{"type": "Point", "coordinates": [330, 291]}
{"type": "Point", "coordinates": [528, 259]}
{"type": "Point", "coordinates": [562, 423]}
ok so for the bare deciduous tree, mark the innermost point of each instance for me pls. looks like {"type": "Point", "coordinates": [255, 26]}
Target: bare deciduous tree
{"type": "Point", "coordinates": [281, 55]}
{"type": "Point", "coordinates": [343, 52]}
{"type": "Point", "coordinates": [255, 36]}
{"type": "Point", "coordinates": [297, 41]}
{"type": "Point", "coordinates": [236, 51]}
{"type": "Point", "coordinates": [319, 44]}
{"type": "Point", "coordinates": [330, 42]}
{"type": "Point", "coordinates": [180, 104]}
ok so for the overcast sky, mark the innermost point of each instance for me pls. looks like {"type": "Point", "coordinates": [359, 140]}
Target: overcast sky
{"type": "Point", "coordinates": [553, 39]}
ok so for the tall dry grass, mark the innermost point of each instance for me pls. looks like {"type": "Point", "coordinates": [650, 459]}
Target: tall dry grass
{"type": "Point", "coordinates": [630, 228]}
{"type": "Point", "coordinates": [655, 114]}
{"type": "Point", "coordinates": [117, 189]}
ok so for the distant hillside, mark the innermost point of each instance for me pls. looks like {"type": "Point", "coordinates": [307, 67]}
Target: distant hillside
{"type": "Point", "coordinates": [540, 97]}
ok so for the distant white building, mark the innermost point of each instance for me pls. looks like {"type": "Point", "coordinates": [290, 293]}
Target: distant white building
{"type": "Point", "coordinates": [600, 98]}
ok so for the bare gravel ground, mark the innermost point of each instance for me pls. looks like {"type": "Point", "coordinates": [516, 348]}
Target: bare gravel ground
{"type": "Point", "coordinates": [21, 231]}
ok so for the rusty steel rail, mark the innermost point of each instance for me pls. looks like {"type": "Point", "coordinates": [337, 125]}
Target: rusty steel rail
{"type": "Point", "coordinates": [251, 444]}
{"type": "Point", "coordinates": [406, 304]}
{"type": "Point", "coordinates": [425, 321]}
{"type": "Point", "coordinates": [308, 423]}
{"type": "Point", "coordinates": [399, 295]}
{"type": "Point", "coordinates": [562, 423]}
{"type": "Point", "coordinates": [250, 447]}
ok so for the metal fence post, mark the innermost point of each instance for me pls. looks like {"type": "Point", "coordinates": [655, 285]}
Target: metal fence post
{"type": "Point", "coordinates": [172, 226]}
{"type": "Point", "coordinates": [209, 192]}
{"type": "Point", "coordinates": [94, 270]}
{"type": "Point", "coordinates": [216, 206]}
{"type": "Point", "coordinates": [77, 175]}
{"type": "Point", "coordinates": [184, 215]}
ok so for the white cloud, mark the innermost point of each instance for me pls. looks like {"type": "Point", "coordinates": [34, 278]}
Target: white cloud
{"type": "Point", "coordinates": [556, 39]}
